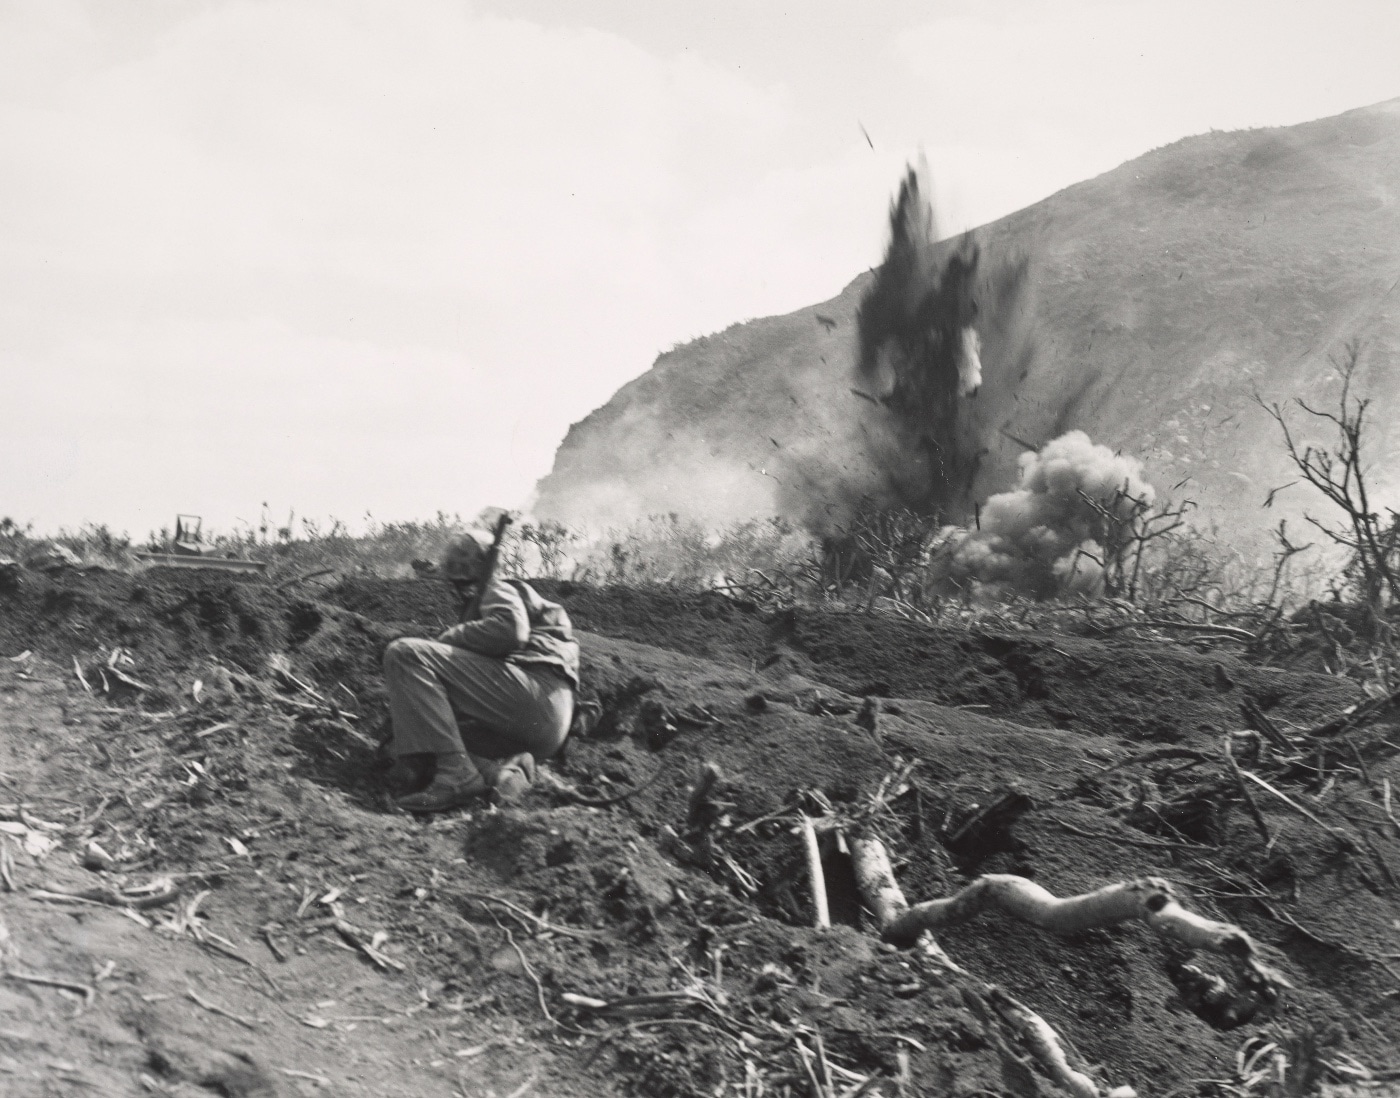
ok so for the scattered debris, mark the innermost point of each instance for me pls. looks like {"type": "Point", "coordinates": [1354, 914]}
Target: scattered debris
{"type": "Point", "coordinates": [222, 1012]}
{"type": "Point", "coordinates": [900, 923]}
{"type": "Point", "coordinates": [156, 893]}
{"type": "Point", "coordinates": [87, 992]}
{"type": "Point", "coordinates": [675, 937]}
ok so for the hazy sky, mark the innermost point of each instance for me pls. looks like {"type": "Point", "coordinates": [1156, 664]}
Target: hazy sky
{"type": "Point", "coordinates": [351, 257]}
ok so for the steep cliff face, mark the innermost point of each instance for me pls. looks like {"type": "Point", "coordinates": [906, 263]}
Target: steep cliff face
{"type": "Point", "coordinates": [1166, 294]}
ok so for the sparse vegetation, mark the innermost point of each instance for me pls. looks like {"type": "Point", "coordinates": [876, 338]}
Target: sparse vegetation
{"type": "Point", "coordinates": [1367, 590]}
{"type": "Point", "coordinates": [1144, 564]}
{"type": "Point", "coordinates": [893, 562]}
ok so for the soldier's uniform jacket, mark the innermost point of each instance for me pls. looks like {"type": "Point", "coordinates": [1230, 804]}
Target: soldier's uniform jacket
{"type": "Point", "coordinates": [521, 627]}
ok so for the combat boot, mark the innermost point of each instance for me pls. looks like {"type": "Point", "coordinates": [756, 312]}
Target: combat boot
{"type": "Point", "coordinates": [409, 773]}
{"type": "Point", "coordinates": [456, 783]}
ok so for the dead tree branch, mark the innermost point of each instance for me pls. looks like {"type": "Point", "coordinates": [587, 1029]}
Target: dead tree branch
{"type": "Point", "coordinates": [1339, 472]}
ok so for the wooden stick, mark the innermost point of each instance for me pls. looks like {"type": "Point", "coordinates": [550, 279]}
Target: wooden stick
{"type": "Point", "coordinates": [822, 1062]}
{"type": "Point", "coordinates": [272, 944]}
{"type": "Point", "coordinates": [587, 1002]}
{"type": "Point", "coordinates": [822, 919]}
{"type": "Point", "coordinates": [654, 1002]}
{"type": "Point", "coordinates": [305, 1075]}
{"type": "Point", "coordinates": [352, 936]}
{"type": "Point", "coordinates": [525, 964]}
{"type": "Point", "coordinates": [875, 880]}
{"type": "Point", "coordinates": [1302, 811]}
{"type": "Point", "coordinates": [215, 1008]}
{"type": "Point", "coordinates": [806, 1056]}
{"type": "Point", "coordinates": [1360, 762]}
{"type": "Point", "coordinates": [141, 901]}
{"type": "Point", "coordinates": [1260, 722]}
{"type": "Point", "coordinates": [1234, 769]}
{"type": "Point", "coordinates": [1044, 1044]}
{"type": "Point", "coordinates": [542, 924]}
{"type": "Point", "coordinates": [1389, 814]}
{"type": "Point", "coordinates": [84, 990]}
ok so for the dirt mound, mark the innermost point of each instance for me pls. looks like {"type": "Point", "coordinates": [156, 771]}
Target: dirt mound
{"type": "Point", "coordinates": [1126, 687]}
{"type": "Point", "coordinates": [223, 742]}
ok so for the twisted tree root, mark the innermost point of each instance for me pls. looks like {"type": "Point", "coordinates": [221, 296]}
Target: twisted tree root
{"type": "Point", "coordinates": [875, 879]}
{"type": "Point", "coordinates": [1150, 899]}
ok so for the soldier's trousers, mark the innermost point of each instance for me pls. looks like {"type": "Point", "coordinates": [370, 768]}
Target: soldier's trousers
{"type": "Point", "coordinates": [446, 700]}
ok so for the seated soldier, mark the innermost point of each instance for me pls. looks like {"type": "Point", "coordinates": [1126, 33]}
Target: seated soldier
{"type": "Point", "coordinates": [485, 700]}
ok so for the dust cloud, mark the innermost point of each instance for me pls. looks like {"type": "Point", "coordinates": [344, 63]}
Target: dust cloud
{"type": "Point", "coordinates": [1047, 535]}
{"type": "Point", "coordinates": [899, 405]}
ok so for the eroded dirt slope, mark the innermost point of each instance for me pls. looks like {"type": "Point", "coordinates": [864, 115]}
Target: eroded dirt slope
{"type": "Point", "coordinates": [248, 800]}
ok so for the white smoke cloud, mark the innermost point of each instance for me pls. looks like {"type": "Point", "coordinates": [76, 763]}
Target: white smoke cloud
{"type": "Point", "coordinates": [1046, 536]}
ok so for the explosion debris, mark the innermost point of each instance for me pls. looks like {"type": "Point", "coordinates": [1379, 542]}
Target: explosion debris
{"type": "Point", "coordinates": [943, 339]}
{"type": "Point", "coordinates": [930, 416]}
{"type": "Point", "coordinates": [919, 353]}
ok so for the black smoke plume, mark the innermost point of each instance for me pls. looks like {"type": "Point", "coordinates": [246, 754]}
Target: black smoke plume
{"type": "Point", "coordinates": [920, 356]}
{"type": "Point", "coordinates": [918, 432]}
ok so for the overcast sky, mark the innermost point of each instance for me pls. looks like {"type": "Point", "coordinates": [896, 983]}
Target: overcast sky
{"type": "Point", "coordinates": [346, 257]}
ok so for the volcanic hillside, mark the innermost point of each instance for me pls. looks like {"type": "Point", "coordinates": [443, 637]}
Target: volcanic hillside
{"type": "Point", "coordinates": [1166, 292]}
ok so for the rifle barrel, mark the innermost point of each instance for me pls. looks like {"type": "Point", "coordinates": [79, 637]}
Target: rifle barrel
{"type": "Point", "coordinates": [489, 569]}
